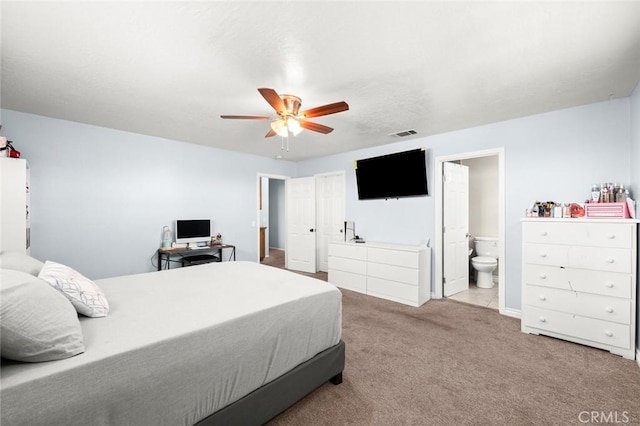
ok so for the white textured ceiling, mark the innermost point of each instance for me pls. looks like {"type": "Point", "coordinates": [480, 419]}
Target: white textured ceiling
{"type": "Point", "coordinates": [170, 69]}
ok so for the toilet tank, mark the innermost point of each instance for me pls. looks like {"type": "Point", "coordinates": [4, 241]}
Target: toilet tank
{"type": "Point", "coordinates": [487, 246]}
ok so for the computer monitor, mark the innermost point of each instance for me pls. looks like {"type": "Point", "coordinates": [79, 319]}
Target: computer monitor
{"type": "Point", "coordinates": [193, 231]}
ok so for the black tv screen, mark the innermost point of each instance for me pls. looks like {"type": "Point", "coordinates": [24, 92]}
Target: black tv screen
{"type": "Point", "coordinates": [402, 174]}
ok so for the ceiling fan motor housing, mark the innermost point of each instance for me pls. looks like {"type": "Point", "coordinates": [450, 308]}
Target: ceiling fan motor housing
{"type": "Point", "coordinates": [292, 105]}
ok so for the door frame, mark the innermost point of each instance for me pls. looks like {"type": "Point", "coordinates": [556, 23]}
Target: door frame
{"type": "Point", "coordinates": [438, 286]}
{"type": "Point", "coordinates": [256, 223]}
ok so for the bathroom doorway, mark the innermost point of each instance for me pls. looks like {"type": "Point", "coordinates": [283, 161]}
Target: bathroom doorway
{"type": "Point", "coordinates": [486, 219]}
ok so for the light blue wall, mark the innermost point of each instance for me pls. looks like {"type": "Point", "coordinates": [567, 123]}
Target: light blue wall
{"type": "Point", "coordinates": [101, 196]}
{"type": "Point", "coordinates": [635, 173]}
{"type": "Point", "coordinates": [635, 142]}
{"type": "Point", "coordinates": [554, 156]}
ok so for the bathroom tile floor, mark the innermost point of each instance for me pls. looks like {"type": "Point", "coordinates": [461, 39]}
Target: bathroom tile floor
{"type": "Point", "coordinates": [487, 297]}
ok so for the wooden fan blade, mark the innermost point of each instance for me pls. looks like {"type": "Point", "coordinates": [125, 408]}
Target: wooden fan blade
{"type": "Point", "coordinates": [245, 117]}
{"type": "Point", "coordinates": [315, 127]}
{"type": "Point", "coordinates": [270, 133]}
{"type": "Point", "coordinates": [326, 109]}
{"type": "Point", "coordinates": [274, 100]}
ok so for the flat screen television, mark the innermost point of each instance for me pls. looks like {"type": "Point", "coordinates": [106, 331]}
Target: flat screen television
{"type": "Point", "coordinates": [402, 174]}
{"type": "Point", "coordinates": [193, 231]}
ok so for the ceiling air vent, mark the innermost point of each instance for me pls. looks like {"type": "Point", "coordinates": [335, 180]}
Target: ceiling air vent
{"type": "Point", "coordinates": [403, 133]}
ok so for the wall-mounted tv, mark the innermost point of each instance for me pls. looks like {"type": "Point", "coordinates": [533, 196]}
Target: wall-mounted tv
{"type": "Point", "coordinates": [402, 174]}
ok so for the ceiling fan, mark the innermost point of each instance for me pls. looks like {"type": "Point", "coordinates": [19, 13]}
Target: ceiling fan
{"type": "Point", "coordinates": [289, 118]}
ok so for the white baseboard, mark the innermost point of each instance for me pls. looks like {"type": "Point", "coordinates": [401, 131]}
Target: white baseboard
{"type": "Point", "coordinates": [514, 313]}
{"type": "Point", "coordinates": [638, 356]}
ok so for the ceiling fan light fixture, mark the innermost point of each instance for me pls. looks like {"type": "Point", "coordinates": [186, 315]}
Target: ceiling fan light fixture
{"type": "Point", "coordinates": [280, 127]}
{"type": "Point", "coordinates": [284, 125]}
{"type": "Point", "coordinates": [294, 126]}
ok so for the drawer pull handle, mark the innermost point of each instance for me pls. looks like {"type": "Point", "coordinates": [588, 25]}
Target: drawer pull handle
{"type": "Point", "coordinates": [608, 333]}
{"type": "Point", "coordinates": [543, 233]}
{"type": "Point", "coordinates": [610, 260]}
{"type": "Point", "coordinates": [543, 276]}
{"type": "Point", "coordinates": [543, 254]}
{"type": "Point", "coordinates": [609, 285]}
{"type": "Point", "coordinates": [543, 297]}
{"type": "Point", "coordinates": [609, 309]}
{"type": "Point", "coordinates": [543, 319]}
{"type": "Point", "coordinates": [611, 236]}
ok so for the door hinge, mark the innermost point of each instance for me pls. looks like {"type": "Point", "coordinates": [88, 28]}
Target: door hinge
{"type": "Point", "coordinates": [444, 280]}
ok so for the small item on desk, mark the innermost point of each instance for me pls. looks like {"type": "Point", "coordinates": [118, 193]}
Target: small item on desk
{"type": "Point", "coordinates": [178, 245]}
{"type": "Point", "coordinates": [217, 240]}
{"type": "Point", "coordinates": [167, 237]}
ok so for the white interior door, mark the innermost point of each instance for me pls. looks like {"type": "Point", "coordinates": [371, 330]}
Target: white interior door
{"type": "Point", "coordinates": [301, 223]}
{"type": "Point", "coordinates": [455, 220]}
{"type": "Point", "coordinates": [329, 215]}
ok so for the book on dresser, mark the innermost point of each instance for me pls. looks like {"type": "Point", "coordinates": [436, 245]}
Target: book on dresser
{"type": "Point", "coordinates": [579, 281]}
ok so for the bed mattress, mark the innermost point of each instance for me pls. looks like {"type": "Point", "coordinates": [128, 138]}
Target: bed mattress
{"type": "Point", "coordinates": [177, 346]}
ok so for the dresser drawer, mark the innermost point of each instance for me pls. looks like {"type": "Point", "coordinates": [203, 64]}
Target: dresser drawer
{"type": "Point", "coordinates": [589, 305]}
{"type": "Point", "coordinates": [602, 259]}
{"type": "Point", "coordinates": [348, 280]}
{"type": "Point", "coordinates": [407, 259]}
{"type": "Point", "coordinates": [611, 284]}
{"type": "Point", "coordinates": [615, 235]}
{"type": "Point", "coordinates": [570, 325]}
{"type": "Point", "coordinates": [553, 232]}
{"type": "Point", "coordinates": [348, 265]}
{"type": "Point", "coordinates": [545, 254]}
{"type": "Point", "coordinates": [350, 251]}
{"type": "Point", "coordinates": [394, 273]}
{"type": "Point", "coordinates": [392, 289]}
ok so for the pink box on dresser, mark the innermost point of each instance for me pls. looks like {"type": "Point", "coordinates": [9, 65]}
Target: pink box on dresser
{"type": "Point", "coordinates": [607, 210]}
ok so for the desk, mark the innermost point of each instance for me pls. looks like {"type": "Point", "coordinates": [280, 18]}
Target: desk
{"type": "Point", "coordinates": [167, 254]}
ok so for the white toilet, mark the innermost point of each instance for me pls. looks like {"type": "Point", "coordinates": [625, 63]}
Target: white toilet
{"type": "Point", "coordinates": [486, 260]}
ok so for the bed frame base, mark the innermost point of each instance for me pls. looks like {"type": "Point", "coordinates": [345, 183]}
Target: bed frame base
{"type": "Point", "coordinates": [268, 401]}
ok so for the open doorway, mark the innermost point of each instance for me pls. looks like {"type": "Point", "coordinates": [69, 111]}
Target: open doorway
{"type": "Point", "coordinates": [271, 220]}
{"type": "Point", "coordinates": [491, 162]}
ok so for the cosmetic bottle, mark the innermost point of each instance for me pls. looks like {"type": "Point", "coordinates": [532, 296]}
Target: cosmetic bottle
{"type": "Point", "coordinates": [595, 194]}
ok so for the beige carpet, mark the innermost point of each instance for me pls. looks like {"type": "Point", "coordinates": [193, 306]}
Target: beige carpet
{"type": "Point", "coordinates": [450, 363]}
{"type": "Point", "coordinates": [276, 259]}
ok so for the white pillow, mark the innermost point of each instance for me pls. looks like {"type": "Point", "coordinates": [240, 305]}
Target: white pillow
{"type": "Point", "coordinates": [20, 262]}
{"type": "Point", "coordinates": [84, 294]}
{"type": "Point", "coordinates": [38, 323]}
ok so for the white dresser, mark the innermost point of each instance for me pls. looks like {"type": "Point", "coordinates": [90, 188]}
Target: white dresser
{"type": "Point", "coordinates": [401, 273]}
{"type": "Point", "coordinates": [579, 281]}
{"type": "Point", "coordinates": [15, 229]}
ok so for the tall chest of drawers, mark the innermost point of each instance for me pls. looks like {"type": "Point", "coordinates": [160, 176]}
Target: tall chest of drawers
{"type": "Point", "coordinates": [579, 281]}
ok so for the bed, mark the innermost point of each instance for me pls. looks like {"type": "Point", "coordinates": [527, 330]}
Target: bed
{"type": "Point", "coordinates": [220, 343]}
